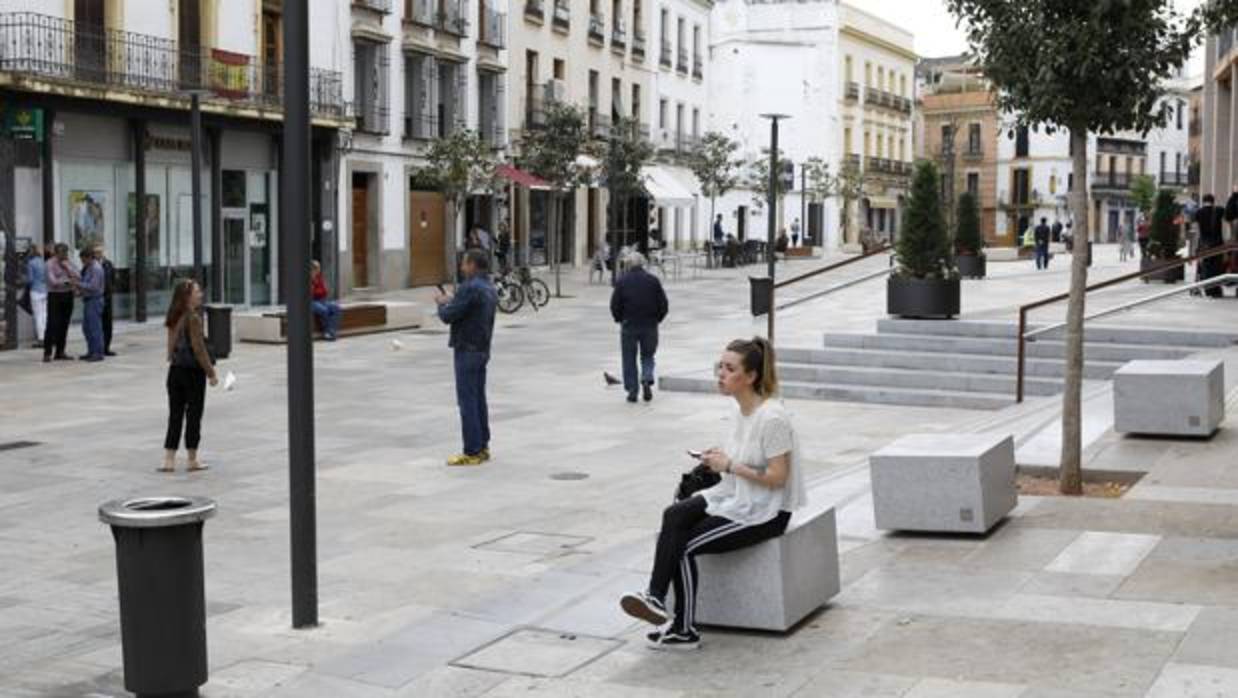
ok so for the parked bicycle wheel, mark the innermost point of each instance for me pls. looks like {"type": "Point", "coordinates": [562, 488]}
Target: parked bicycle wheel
{"type": "Point", "coordinates": [510, 297]}
{"type": "Point", "coordinates": [538, 292]}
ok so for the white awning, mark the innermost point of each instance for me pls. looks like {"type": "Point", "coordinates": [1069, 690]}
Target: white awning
{"type": "Point", "coordinates": [664, 187]}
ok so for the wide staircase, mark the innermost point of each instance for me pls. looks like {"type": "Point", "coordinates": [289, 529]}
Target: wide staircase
{"type": "Point", "coordinates": [961, 363]}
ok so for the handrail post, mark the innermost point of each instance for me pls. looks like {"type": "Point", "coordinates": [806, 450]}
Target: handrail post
{"type": "Point", "coordinates": [1020, 360]}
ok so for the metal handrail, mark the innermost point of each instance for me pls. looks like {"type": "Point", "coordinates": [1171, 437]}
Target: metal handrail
{"type": "Point", "coordinates": [832, 267]}
{"type": "Point", "coordinates": [1024, 309]}
{"type": "Point", "coordinates": [837, 287]}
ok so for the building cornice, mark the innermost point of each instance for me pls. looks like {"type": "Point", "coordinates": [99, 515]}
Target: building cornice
{"type": "Point", "coordinates": [878, 41]}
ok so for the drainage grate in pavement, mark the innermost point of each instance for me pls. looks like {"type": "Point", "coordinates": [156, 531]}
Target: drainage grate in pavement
{"type": "Point", "coordinates": [570, 476]}
{"type": "Point", "coordinates": [14, 445]}
{"type": "Point", "coordinates": [533, 543]}
{"type": "Point", "coordinates": [537, 652]}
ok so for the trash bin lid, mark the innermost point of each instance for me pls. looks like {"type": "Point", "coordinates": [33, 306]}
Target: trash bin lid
{"type": "Point", "coordinates": [156, 512]}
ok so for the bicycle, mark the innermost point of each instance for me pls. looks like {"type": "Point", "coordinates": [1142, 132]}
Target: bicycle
{"type": "Point", "coordinates": [517, 285]}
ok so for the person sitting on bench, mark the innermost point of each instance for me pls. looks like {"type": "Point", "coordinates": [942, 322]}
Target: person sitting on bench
{"type": "Point", "coordinates": [761, 483]}
{"type": "Point", "coordinates": [326, 310]}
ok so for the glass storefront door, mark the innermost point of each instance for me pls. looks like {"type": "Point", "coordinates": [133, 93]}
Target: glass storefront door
{"type": "Point", "coordinates": [236, 258]}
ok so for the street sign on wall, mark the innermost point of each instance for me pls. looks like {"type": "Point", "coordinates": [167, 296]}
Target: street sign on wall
{"type": "Point", "coordinates": [21, 123]}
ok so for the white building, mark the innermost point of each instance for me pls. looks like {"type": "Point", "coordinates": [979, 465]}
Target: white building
{"type": "Point", "coordinates": [419, 70]}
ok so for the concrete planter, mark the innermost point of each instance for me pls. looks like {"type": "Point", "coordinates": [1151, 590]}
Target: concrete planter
{"type": "Point", "coordinates": [1172, 275]}
{"type": "Point", "coordinates": [922, 298]}
{"type": "Point", "coordinates": [971, 266]}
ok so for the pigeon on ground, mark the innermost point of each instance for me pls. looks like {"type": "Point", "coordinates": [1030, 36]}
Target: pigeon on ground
{"type": "Point", "coordinates": [610, 380]}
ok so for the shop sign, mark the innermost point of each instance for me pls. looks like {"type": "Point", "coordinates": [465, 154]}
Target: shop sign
{"type": "Point", "coordinates": [22, 123]}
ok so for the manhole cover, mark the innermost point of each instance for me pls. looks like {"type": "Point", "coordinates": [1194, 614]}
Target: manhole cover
{"type": "Point", "coordinates": [14, 445]}
{"type": "Point", "coordinates": [570, 476]}
{"type": "Point", "coordinates": [535, 652]}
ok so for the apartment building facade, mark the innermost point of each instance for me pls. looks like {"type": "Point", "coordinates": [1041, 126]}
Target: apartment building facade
{"type": "Point", "coordinates": [1218, 164]}
{"type": "Point", "coordinates": [877, 64]}
{"type": "Point", "coordinates": [101, 89]}
{"type": "Point", "coordinates": [420, 70]}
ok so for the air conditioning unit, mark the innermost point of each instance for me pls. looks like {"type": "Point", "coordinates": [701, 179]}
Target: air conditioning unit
{"type": "Point", "coordinates": [556, 91]}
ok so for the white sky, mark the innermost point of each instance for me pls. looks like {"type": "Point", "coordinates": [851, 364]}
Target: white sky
{"type": "Point", "coordinates": [933, 25]}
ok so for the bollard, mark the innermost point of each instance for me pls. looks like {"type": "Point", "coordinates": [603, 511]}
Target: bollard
{"type": "Point", "coordinates": [162, 598]}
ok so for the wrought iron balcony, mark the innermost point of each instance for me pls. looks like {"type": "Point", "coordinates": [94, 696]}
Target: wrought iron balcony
{"type": "Point", "coordinates": [493, 28]}
{"type": "Point", "coordinates": [1121, 147]}
{"type": "Point", "coordinates": [886, 100]}
{"type": "Point", "coordinates": [373, 118]}
{"type": "Point", "coordinates": [618, 38]}
{"type": "Point", "coordinates": [682, 65]}
{"type": "Point", "coordinates": [535, 9]}
{"type": "Point", "coordinates": [35, 46]}
{"type": "Point", "coordinates": [852, 162]}
{"type": "Point", "coordinates": [887, 166]}
{"type": "Point", "coordinates": [1112, 180]}
{"type": "Point", "coordinates": [665, 58]}
{"type": "Point", "coordinates": [1173, 179]}
{"type": "Point", "coordinates": [976, 153]}
{"type": "Point", "coordinates": [597, 28]}
{"type": "Point", "coordinates": [852, 91]}
{"type": "Point", "coordinates": [638, 45]}
{"type": "Point", "coordinates": [563, 15]}
{"type": "Point", "coordinates": [535, 106]}
{"type": "Point", "coordinates": [420, 127]}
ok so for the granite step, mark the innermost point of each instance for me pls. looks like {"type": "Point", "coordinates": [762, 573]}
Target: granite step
{"type": "Point", "coordinates": [1040, 348]}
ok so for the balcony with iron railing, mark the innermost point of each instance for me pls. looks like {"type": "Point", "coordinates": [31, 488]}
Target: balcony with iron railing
{"type": "Point", "coordinates": [1121, 147]}
{"type": "Point", "coordinates": [664, 57]}
{"type": "Point", "coordinates": [618, 38]}
{"type": "Point", "coordinates": [852, 91]}
{"type": "Point", "coordinates": [373, 118]}
{"type": "Point", "coordinates": [420, 127]}
{"type": "Point", "coordinates": [453, 18]}
{"type": "Point", "coordinates": [682, 65]}
{"type": "Point", "coordinates": [886, 100]}
{"type": "Point", "coordinates": [1112, 180]}
{"type": "Point", "coordinates": [42, 47]}
{"type": "Point", "coordinates": [563, 15]}
{"type": "Point", "coordinates": [698, 67]}
{"type": "Point", "coordinates": [887, 166]}
{"type": "Point", "coordinates": [537, 97]}
{"type": "Point", "coordinates": [638, 45]}
{"type": "Point", "coordinates": [493, 28]}
{"type": "Point", "coordinates": [535, 10]}
{"type": "Point", "coordinates": [852, 161]}
{"type": "Point", "coordinates": [597, 28]}
{"type": "Point", "coordinates": [973, 153]}
{"type": "Point", "coordinates": [1174, 179]}
{"type": "Point", "coordinates": [383, 6]}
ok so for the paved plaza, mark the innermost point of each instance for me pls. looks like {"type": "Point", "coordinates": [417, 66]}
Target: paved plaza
{"type": "Point", "coordinates": [502, 580]}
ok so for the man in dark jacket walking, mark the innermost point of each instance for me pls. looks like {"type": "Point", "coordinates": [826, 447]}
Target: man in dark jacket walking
{"type": "Point", "coordinates": [639, 305]}
{"type": "Point", "coordinates": [470, 312]}
{"type": "Point", "coordinates": [1211, 234]}
{"type": "Point", "coordinates": [1041, 236]}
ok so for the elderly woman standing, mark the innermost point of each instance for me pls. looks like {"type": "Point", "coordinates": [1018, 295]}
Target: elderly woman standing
{"type": "Point", "coordinates": [761, 484]}
{"type": "Point", "coordinates": [36, 275]}
{"type": "Point", "coordinates": [189, 369]}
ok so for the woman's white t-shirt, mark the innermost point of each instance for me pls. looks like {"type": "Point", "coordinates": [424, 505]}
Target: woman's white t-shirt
{"type": "Point", "coordinates": [756, 438]}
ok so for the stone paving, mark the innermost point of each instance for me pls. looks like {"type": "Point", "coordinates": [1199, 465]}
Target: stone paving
{"type": "Point", "coordinates": [502, 580]}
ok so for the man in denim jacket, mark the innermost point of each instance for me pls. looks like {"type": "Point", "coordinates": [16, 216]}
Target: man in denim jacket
{"type": "Point", "coordinates": [470, 312]}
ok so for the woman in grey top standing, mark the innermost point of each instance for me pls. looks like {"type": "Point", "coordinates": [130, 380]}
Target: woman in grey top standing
{"type": "Point", "coordinates": [761, 484]}
{"type": "Point", "coordinates": [189, 369]}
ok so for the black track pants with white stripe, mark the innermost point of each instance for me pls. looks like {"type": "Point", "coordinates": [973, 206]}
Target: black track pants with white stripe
{"type": "Point", "coordinates": [687, 531]}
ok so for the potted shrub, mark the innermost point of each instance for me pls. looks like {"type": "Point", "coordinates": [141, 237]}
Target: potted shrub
{"type": "Point", "coordinates": [968, 242]}
{"type": "Point", "coordinates": [1163, 241]}
{"type": "Point", "coordinates": [924, 282]}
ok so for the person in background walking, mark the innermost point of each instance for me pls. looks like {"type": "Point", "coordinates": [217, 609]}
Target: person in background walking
{"type": "Point", "coordinates": [1056, 231]}
{"type": "Point", "coordinates": [1041, 238]}
{"type": "Point", "coordinates": [503, 249]}
{"type": "Point", "coordinates": [1142, 232]}
{"type": "Point", "coordinates": [1211, 234]}
{"type": "Point", "coordinates": [91, 288]}
{"type": "Point", "coordinates": [639, 305]}
{"type": "Point", "coordinates": [326, 310]}
{"type": "Point", "coordinates": [109, 283]}
{"type": "Point", "coordinates": [719, 233]}
{"type": "Point", "coordinates": [1126, 246]}
{"type": "Point", "coordinates": [189, 369]}
{"type": "Point", "coordinates": [795, 233]}
{"type": "Point", "coordinates": [36, 276]}
{"type": "Point", "coordinates": [470, 312]}
{"type": "Point", "coordinates": [62, 280]}
{"type": "Point", "coordinates": [762, 483]}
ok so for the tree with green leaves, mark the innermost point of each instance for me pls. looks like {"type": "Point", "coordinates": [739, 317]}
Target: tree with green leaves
{"type": "Point", "coordinates": [552, 152]}
{"type": "Point", "coordinates": [967, 237]}
{"type": "Point", "coordinates": [1163, 237]}
{"type": "Point", "coordinates": [714, 164]}
{"type": "Point", "coordinates": [1049, 61]}
{"type": "Point", "coordinates": [848, 185]}
{"type": "Point", "coordinates": [622, 156]}
{"type": "Point", "coordinates": [758, 179]}
{"type": "Point", "coordinates": [923, 247]}
{"type": "Point", "coordinates": [1143, 192]}
{"type": "Point", "coordinates": [459, 165]}
{"type": "Point", "coordinates": [818, 182]}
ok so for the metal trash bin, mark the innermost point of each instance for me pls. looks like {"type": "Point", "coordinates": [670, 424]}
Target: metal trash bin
{"type": "Point", "coordinates": [219, 329]}
{"type": "Point", "coordinates": [761, 288]}
{"type": "Point", "coordinates": [162, 598]}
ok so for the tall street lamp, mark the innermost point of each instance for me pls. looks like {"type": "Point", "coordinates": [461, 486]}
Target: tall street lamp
{"type": "Point", "coordinates": [195, 179]}
{"type": "Point", "coordinates": [772, 204]}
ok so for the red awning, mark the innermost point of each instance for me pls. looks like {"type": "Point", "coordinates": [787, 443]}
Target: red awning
{"type": "Point", "coordinates": [521, 177]}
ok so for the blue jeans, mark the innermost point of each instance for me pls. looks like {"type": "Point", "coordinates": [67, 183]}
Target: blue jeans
{"type": "Point", "coordinates": [1042, 256]}
{"type": "Point", "coordinates": [329, 313]}
{"type": "Point", "coordinates": [634, 340]}
{"type": "Point", "coordinates": [471, 399]}
{"type": "Point", "coordinates": [92, 325]}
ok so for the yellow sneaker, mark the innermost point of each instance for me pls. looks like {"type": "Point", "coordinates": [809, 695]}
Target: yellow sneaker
{"type": "Point", "coordinates": [465, 459]}
{"type": "Point", "coordinates": [484, 455]}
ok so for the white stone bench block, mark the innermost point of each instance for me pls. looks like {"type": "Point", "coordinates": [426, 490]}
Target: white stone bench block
{"type": "Point", "coordinates": [775, 584]}
{"type": "Point", "coordinates": [1171, 398]}
{"type": "Point", "coordinates": [944, 482]}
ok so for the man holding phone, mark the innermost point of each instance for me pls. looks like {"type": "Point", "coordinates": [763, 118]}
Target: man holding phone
{"type": "Point", "coordinates": [470, 312]}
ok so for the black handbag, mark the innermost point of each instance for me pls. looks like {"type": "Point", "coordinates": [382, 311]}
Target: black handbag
{"type": "Point", "coordinates": [23, 300]}
{"type": "Point", "coordinates": [695, 480]}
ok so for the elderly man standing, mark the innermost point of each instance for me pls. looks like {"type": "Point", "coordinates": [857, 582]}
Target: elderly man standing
{"type": "Point", "coordinates": [92, 287]}
{"type": "Point", "coordinates": [639, 305]}
{"type": "Point", "coordinates": [470, 312]}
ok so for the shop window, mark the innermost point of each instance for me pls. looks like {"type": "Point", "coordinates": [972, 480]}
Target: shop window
{"type": "Point", "coordinates": [233, 188]}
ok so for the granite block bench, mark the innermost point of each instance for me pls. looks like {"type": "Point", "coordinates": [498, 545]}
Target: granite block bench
{"type": "Point", "coordinates": [775, 584]}
{"type": "Point", "coordinates": [948, 483]}
{"type": "Point", "coordinates": [270, 325]}
{"type": "Point", "coordinates": [1169, 398]}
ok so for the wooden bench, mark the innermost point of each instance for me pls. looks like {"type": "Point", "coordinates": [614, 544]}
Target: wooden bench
{"type": "Point", "coordinates": [775, 584]}
{"type": "Point", "coordinates": [270, 326]}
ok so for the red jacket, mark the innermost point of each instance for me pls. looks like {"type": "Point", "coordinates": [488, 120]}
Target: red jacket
{"type": "Point", "coordinates": [318, 287]}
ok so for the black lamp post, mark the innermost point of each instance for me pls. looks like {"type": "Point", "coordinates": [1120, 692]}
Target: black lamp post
{"type": "Point", "coordinates": [772, 203]}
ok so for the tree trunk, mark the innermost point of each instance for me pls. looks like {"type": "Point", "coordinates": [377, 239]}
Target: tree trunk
{"type": "Point", "coordinates": [1070, 473]}
{"type": "Point", "coordinates": [552, 245]}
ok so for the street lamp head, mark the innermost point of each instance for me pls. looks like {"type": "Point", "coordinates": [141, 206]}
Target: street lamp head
{"type": "Point", "coordinates": [775, 117]}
